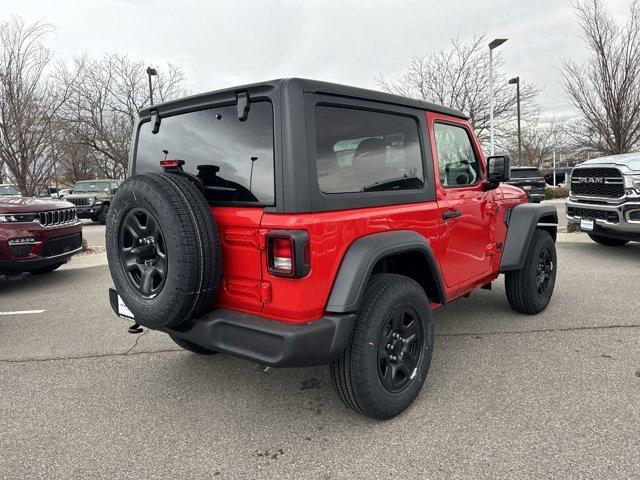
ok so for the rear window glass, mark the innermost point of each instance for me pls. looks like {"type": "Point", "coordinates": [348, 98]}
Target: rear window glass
{"type": "Point", "coordinates": [233, 158]}
{"type": "Point", "coordinates": [361, 151]}
{"type": "Point", "coordinates": [525, 173]}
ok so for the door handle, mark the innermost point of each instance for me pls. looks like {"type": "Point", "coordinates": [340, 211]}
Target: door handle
{"type": "Point", "coordinates": [449, 214]}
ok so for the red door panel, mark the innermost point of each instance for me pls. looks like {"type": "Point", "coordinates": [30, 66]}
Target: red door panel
{"type": "Point", "coordinates": [466, 242]}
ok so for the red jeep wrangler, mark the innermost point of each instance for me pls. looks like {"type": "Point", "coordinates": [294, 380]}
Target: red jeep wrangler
{"type": "Point", "coordinates": [298, 223]}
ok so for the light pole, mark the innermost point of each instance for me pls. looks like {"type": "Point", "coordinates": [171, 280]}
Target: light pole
{"type": "Point", "coordinates": [494, 44]}
{"type": "Point", "coordinates": [151, 72]}
{"type": "Point", "coordinates": [516, 81]}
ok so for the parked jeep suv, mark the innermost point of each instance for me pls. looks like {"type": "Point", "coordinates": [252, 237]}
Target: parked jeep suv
{"type": "Point", "coordinates": [36, 235]}
{"type": "Point", "coordinates": [298, 223]}
{"type": "Point", "coordinates": [530, 180]}
{"type": "Point", "coordinates": [604, 200]}
{"type": "Point", "coordinates": [92, 198]}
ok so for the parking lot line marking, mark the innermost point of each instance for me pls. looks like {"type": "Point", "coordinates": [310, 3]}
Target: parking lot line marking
{"type": "Point", "coordinates": [22, 312]}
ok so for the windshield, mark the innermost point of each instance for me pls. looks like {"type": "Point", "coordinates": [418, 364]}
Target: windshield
{"type": "Point", "coordinates": [91, 187]}
{"type": "Point", "coordinates": [9, 190]}
{"type": "Point", "coordinates": [233, 158]}
{"type": "Point", "coordinates": [525, 173]}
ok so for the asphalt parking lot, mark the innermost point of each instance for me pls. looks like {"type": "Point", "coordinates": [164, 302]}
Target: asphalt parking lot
{"type": "Point", "coordinates": [508, 396]}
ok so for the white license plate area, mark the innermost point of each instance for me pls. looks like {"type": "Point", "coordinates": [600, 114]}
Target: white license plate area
{"type": "Point", "coordinates": [586, 224]}
{"type": "Point", "coordinates": [527, 187]}
{"type": "Point", "coordinates": [123, 310]}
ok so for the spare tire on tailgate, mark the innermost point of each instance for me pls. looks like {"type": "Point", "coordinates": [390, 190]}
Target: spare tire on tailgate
{"type": "Point", "coordinates": [163, 249]}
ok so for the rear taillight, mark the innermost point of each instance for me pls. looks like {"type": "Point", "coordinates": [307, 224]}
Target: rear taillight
{"type": "Point", "coordinates": [288, 253]}
{"type": "Point", "coordinates": [283, 255]}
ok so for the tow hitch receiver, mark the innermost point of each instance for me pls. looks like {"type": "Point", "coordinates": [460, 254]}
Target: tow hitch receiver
{"type": "Point", "coordinates": [135, 328]}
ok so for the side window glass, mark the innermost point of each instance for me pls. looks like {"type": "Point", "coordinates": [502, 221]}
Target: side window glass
{"type": "Point", "coordinates": [457, 161]}
{"type": "Point", "coordinates": [366, 151]}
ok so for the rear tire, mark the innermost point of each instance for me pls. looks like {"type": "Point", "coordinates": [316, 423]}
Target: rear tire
{"type": "Point", "coordinates": [529, 289]}
{"type": "Point", "coordinates": [609, 242]}
{"type": "Point", "coordinates": [190, 346]}
{"type": "Point", "coordinates": [365, 376]}
{"type": "Point", "coordinates": [47, 269]}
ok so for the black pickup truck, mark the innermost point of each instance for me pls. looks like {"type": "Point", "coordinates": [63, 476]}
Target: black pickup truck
{"type": "Point", "coordinates": [530, 180]}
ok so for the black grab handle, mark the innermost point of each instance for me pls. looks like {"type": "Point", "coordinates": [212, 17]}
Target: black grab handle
{"type": "Point", "coordinates": [449, 214]}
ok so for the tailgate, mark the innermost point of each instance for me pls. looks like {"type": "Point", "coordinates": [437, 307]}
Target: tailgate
{"type": "Point", "coordinates": [241, 241]}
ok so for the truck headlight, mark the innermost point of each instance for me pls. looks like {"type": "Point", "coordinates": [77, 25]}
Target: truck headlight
{"type": "Point", "coordinates": [632, 181]}
{"type": "Point", "coordinates": [7, 218]}
{"type": "Point", "coordinates": [92, 201]}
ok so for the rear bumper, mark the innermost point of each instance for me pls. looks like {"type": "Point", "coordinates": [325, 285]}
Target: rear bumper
{"type": "Point", "coordinates": [268, 342]}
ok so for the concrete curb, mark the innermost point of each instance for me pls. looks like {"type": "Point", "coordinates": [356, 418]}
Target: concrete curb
{"type": "Point", "coordinates": [86, 261]}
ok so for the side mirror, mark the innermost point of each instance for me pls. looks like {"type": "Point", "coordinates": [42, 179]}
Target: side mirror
{"type": "Point", "coordinates": [498, 170]}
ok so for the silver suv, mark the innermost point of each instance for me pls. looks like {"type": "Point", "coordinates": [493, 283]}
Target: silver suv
{"type": "Point", "coordinates": [605, 199]}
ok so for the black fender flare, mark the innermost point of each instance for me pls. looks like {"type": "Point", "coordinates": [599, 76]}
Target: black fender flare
{"type": "Point", "coordinates": [522, 220]}
{"type": "Point", "coordinates": [362, 256]}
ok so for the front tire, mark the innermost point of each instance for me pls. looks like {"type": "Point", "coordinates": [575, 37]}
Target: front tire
{"type": "Point", "coordinates": [529, 289]}
{"type": "Point", "coordinates": [385, 363]}
{"type": "Point", "coordinates": [102, 216]}
{"type": "Point", "coordinates": [608, 242]}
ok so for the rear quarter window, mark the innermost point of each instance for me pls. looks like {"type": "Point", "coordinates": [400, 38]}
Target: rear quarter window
{"type": "Point", "coordinates": [366, 151]}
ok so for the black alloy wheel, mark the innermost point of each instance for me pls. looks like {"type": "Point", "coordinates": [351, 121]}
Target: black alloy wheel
{"type": "Point", "coordinates": [143, 252]}
{"type": "Point", "coordinates": [400, 348]}
{"type": "Point", "coordinates": [544, 272]}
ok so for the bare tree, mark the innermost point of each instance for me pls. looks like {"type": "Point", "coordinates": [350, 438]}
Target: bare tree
{"type": "Point", "coordinates": [105, 101]}
{"type": "Point", "coordinates": [29, 103]}
{"type": "Point", "coordinates": [540, 138]}
{"type": "Point", "coordinates": [606, 88]}
{"type": "Point", "coordinates": [459, 77]}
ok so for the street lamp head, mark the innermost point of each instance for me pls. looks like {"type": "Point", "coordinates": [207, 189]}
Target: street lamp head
{"type": "Point", "coordinates": [514, 80]}
{"type": "Point", "coordinates": [496, 43]}
{"type": "Point", "coordinates": [151, 71]}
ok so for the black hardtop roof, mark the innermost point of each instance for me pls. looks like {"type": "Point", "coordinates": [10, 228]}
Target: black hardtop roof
{"type": "Point", "coordinates": [310, 86]}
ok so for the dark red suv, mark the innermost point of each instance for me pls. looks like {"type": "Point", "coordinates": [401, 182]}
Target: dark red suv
{"type": "Point", "coordinates": [300, 223]}
{"type": "Point", "coordinates": [37, 235]}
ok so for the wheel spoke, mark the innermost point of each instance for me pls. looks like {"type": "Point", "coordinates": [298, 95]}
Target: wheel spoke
{"type": "Point", "coordinates": [146, 285]}
{"type": "Point", "coordinates": [410, 362]}
{"type": "Point", "coordinates": [397, 320]}
{"type": "Point", "coordinates": [411, 330]}
{"type": "Point", "coordinates": [133, 227]}
{"type": "Point", "coordinates": [130, 264]}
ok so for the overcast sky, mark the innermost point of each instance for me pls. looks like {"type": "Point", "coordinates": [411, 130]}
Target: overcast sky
{"type": "Point", "coordinates": [226, 43]}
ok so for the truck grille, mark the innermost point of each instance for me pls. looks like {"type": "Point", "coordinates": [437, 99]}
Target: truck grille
{"type": "Point", "coordinates": [20, 250]}
{"type": "Point", "coordinates": [597, 182]}
{"type": "Point", "coordinates": [79, 202]}
{"type": "Point", "coordinates": [589, 213]}
{"type": "Point", "coordinates": [59, 245]}
{"type": "Point", "coordinates": [57, 217]}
